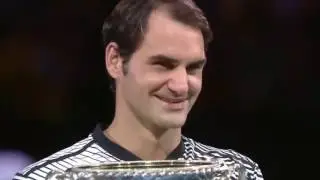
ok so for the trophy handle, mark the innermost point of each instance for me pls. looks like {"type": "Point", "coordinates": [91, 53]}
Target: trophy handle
{"type": "Point", "coordinates": [58, 175]}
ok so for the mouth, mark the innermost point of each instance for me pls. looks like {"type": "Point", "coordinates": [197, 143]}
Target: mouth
{"type": "Point", "coordinates": [172, 100]}
{"type": "Point", "coordinates": [174, 103]}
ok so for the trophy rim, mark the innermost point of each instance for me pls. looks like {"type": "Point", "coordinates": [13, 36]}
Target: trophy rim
{"type": "Point", "coordinates": [150, 166]}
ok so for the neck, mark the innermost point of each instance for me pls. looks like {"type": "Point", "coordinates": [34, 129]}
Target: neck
{"type": "Point", "coordinates": [128, 132]}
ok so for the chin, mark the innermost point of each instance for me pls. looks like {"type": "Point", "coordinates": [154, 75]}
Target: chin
{"type": "Point", "coordinates": [170, 123]}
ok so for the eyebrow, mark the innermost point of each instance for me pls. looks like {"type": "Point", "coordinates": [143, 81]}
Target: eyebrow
{"type": "Point", "coordinates": [162, 57]}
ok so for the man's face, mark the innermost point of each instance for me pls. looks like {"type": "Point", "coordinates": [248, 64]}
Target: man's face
{"type": "Point", "coordinates": [164, 75]}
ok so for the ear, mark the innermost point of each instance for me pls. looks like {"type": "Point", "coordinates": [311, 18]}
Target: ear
{"type": "Point", "coordinates": [113, 60]}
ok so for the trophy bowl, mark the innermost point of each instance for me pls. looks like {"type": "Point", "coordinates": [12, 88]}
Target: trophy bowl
{"type": "Point", "coordinates": [153, 170]}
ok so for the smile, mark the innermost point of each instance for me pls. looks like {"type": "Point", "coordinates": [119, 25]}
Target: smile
{"type": "Point", "coordinates": [174, 104]}
{"type": "Point", "coordinates": [172, 100]}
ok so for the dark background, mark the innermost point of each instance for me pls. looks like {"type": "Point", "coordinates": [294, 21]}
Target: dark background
{"type": "Point", "coordinates": [260, 90]}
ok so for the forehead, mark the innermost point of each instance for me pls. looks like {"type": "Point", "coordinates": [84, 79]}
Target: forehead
{"type": "Point", "coordinates": [167, 36]}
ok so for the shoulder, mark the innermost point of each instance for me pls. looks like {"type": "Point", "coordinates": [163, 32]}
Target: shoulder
{"type": "Point", "coordinates": [202, 151]}
{"type": "Point", "coordinates": [83, 152]}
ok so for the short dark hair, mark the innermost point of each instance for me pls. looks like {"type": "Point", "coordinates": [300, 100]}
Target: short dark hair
{"type": "Point", "coordinates": [129, 20]}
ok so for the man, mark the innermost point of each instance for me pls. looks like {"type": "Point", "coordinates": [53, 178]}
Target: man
{"type": "Point", "coordinates": [155, 53]}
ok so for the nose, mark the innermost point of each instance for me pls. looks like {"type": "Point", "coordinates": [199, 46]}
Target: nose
{"type": "Point", "coordinates": [178, 83]}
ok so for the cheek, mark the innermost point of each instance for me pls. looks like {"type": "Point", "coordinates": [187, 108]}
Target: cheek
{"type": "Point", "coordinates": [143, 83]}
{"type": "Point", "coordinates": [151, 79]}
{"type": "Point", "coordinates": [195, 84]}
{"type": "Point", "coordinates": [154, 82]}
{"type": "Point", "coordinates": [136, 76]}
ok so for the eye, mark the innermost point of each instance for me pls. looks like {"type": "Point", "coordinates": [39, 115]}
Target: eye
{"type": "Point", "coordinates": [164, 65]}
{"type": "Point", "coordinates": [194, 68]}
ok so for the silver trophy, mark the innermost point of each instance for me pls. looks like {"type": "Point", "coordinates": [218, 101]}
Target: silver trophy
{"type": "Point", "coordinates": [154, 170]}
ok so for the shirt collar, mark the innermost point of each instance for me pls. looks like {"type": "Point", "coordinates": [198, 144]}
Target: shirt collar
{"type": "Point", "coordinates": [122, 153]}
